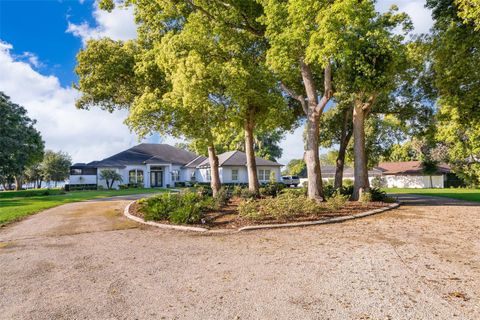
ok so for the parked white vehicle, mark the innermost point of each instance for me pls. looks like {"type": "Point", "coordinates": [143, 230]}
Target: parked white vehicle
{"type": "Point", "coordinates": [291, 181]}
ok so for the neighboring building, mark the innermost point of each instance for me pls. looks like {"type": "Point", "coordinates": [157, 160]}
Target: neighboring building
{"type": "Point", "coordinates": [233, 168]}
{"type": "Point", "coordinates": [410, 174]}
{"type": "Point", "coordinates": [161, 165]}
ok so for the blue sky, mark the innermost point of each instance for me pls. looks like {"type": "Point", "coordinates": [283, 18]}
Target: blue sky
{"type": "Point", "coordinates": [38, 43]}
{"type": "Point", "coordinates": [39, 27]}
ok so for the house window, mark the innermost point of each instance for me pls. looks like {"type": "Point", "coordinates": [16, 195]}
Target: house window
{"type": "Point", "coordinates": [75, 172]}
{"type": "Point", "coordinates": [193, 177]}
{"type": "Point", "coordinates": [135, 176]}
{"type": "Point", "coordinates": [264, 175]}
{"type": "Point", "coordinates": [234, 174]}
{"type": "Point", "coordinates": [175, 175]}
{"type": "Point", "coordinates": [208, 174]}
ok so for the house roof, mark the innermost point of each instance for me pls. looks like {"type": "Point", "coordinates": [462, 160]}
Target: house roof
{"type": "Point", "coordinates": [195, 162]}
{"type": "Point", "coordinates": [237, 158]}
{"type": "Point", "coordinates": [147, 153]}
{"type": "Point", "coordinates": [408, 167]}
{"type": "Point", "coordinates": [328, 171]}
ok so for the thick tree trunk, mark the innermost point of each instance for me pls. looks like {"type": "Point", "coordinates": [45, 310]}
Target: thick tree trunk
{"type": "Point", "coordinates": [361, 183]}
{"type": "Point", "coordinates": [253, 184]}
{"type": "Point", "coordinates": [312, 159]}
{"type": "Point", "coordinates": [345, 137]}
{"type": "Point", "coordinates": [18, 183]}
{"type": "Point", "coordinates": [214, 174]}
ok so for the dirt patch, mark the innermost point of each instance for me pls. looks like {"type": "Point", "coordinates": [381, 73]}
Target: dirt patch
{"type": "Point", "coordinates": [228, 218]}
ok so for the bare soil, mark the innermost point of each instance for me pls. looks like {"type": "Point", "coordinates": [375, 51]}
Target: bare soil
{"type": "Point", "coordinates": [227, 217]}
{"type": "Point", "coordinates": [86, 261]}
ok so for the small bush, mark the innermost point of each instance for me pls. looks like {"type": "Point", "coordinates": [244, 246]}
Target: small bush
{"type": "Point", "coordinates": [222, 197]}
{"type": "Point", "coordinates": [180, 208]}
{"type": "Point", "coordinates": [247, 194]}
{"type": "Point", "coordinates": [337, 201]}
{"type": "Point", "coordinates": [377, 194]}
{"type": "Point", "coordinates": [283, 207]}
{"type": "Point", "coordinates": [296, 192]}
{"type": "Point", "coordinates": [366, 197]}
{"type": "Point", "coordinates": [237, 191]}
{"type": "Point", "coordinates": [271, 189]}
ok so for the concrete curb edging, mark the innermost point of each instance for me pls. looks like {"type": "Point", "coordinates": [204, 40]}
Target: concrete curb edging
{"type": "Point", "coordinates": [126, 212]}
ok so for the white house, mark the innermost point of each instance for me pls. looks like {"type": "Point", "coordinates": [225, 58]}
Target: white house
{"type": "Point", "coordinates": [161, 165]}
{"type": "Point", "coordinates": [410, 174]}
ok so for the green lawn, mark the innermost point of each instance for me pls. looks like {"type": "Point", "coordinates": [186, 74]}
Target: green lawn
{"type": "Point", "coordinates": [15, 205]}
{"type": "Point", "coordinates": [461, 194]}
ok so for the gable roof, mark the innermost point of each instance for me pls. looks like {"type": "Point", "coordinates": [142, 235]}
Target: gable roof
{"type": "Point", "coordinates": [408, 167]}
{"type": "Point", "coordinates": [237, 158]}
{"type": "Point", "coordinates": [147, 153]}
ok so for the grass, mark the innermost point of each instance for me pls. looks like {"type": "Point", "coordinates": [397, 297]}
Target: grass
{"type": "Point", "coordinates": [15, 205]}
{"type": "Point", "coordinates": [460, 193]}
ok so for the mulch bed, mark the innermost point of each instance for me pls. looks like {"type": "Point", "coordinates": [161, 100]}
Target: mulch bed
{"type": "Point", "coordinates": [228, 217]}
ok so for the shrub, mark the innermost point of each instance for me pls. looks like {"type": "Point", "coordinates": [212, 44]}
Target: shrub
{"type": "Point", "coordinates": [337, 201]}
{"type": "Point", "coordinates": [222, 197]}
{"type": "Point", "coordinates": [366, 197]}
{"type": "Point", "coordinates": [186, 207]}
{"type": "Point", "coordinates": [247, 194]}
{"type": "Point", "coordinates": [296, 192]}
{"type": "Point", "coordinates": [377, 194]}
{"type": "Point", "coordinates": [237, 191]}
{"type": "Point", "coordinates": [249, 209]}
{"type": "Point", "coordinates": [271, 189]}
{"type": "Point", "coordinates": [283, 207]}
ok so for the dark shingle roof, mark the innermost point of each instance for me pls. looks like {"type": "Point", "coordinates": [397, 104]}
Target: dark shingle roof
{"type": "Point", "coordinates": [147, 153]}
{"type": "Point", "coordinates": [408, 167]}
{"type": "Point", "coordinates": [238, 158]}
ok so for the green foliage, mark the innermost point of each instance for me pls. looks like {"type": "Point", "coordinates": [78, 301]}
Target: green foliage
{"type": "Point", "coordinates": [283, 207]}
{"type": "Point", "coordinates": [469, 10]}
{"type": "Point", "coordinates": [55, 166]}
{"type": "Point", "coordinates": [110, 176]}
{"type": "Point", "coordinates": [222, 197]}
{"type": "Point", "coordinates": [248, 194]}
{"type": "Point", "coordinates": [296, 167]}
{"type": "Point", "coordinates": [366, 197]}
{"type": "Point", "coordinates": [295, 191]}
{"type": "Point", "coordinates": [337, 201]}
{"type": "Point", "coordinates": [271, 189]}
{"type": "Point", "coordinates": [179, 208]}
{"type": "Point", "coordinates": [237, 191]}
{"type": "Point", "coordinates": [21, 144]}
{"type": "Point", "coordinates": [378, 194]}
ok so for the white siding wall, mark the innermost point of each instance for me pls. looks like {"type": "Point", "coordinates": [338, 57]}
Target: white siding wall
{"type": "Point", "coordinates": [408, 181]}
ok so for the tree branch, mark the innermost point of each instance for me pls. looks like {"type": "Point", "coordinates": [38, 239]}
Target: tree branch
{"type": "Point", "coordinates": [295, 96]}
{"type": "Point", "coordinates": [328, 89]}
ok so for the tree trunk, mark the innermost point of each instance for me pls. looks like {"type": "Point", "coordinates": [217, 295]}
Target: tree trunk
{"type": "Point", "coordinates": [214, 175]}
{"type": "Point", "coordinates": [18, 183]}
{"type": "Point", "coordinates": [361, 183]}
{"type": "Point", "coordinates": [342, 150]}
{"type": "Point", "coordinates": [312, 158]}
{"type": "Point", "coordinates": [253, 184]}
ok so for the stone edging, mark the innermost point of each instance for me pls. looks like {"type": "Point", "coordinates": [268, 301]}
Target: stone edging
{"type": "Point", "coordinates": [126, 212]}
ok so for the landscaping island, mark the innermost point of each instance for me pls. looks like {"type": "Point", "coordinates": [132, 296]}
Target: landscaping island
{"type": "Point", "coordinates": [236, 207]}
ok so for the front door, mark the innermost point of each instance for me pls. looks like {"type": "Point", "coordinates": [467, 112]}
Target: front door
{"type": "Point", "coordinates": [156, 179]}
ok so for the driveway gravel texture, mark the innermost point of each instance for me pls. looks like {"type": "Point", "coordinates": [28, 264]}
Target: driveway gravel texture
{"type": "Point", "coordinates": [87, 261]}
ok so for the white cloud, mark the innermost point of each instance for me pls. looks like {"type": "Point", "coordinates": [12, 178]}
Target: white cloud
{"type": "Point", "coordinates": [421, 16]}
{"type": "Point", "coordinates": [86, 135]}
{"type": "Point", "coordinates": [118, 25]}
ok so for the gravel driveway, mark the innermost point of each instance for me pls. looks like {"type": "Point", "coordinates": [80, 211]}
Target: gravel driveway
{"type": "Point", "coordinates": [86, 261]}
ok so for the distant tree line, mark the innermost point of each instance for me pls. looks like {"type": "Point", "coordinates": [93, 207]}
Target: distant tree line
{"type": "Point", "coordinates": [22, 155]}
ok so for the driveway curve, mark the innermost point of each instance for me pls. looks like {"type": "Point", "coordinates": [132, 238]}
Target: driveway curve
{"type": "Point", "coordinates": [86, 261]}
